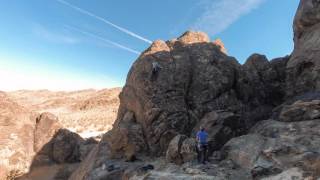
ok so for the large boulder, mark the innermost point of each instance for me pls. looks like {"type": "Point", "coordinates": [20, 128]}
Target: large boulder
{"type": "Point", "coordinates": [196, 78]}
{"type": "Point", "coordinates": [181, 150]}
{"type": "Point", "coordinates": [303, 67]}
{"type": "Point", "coordinates": [188, 150]}
{"type": "Point", "coordinates": [174, 149]}
{"type": "Point", "coordinates": [221, 126]}
{"type": "Point", "coordinates": [274, 146]}
{"type": "Point", "coordinates": [64, 147]}
{"type": "Point", "coordinates": [30, 140]}
{"type": "Point", "coordinates": [194, 71]}
{"type": "Point", "coordinates": [127, 138]}
{"type": "Point", "coordinates": [46, 127]}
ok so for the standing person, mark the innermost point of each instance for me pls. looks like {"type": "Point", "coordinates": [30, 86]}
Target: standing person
{"type": "Point", "coordinates": [202, 139]}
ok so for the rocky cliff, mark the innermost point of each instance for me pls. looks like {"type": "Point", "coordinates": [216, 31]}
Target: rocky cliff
{"type": "Point", "coordinates": [303, 66]}
{"type": "Point", "coordinates": [262, 117]}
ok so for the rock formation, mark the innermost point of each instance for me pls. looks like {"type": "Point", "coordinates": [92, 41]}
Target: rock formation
{"type": "Point", "coordinates": [303, 66]}
{"type": "Point", "coordinates": [219, 43]}
{"type": "Point", "coordinates": [196, 80]}
{"type": "Point", "coordinates": [46, 127]}
{"type": "Point", "coordinates": [273, 146]}
{"type": "Point", "coordinates": [262, 117]}
{"type": "Point", "coordinates": [30, 140]}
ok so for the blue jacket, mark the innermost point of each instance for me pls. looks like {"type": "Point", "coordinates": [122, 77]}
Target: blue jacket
{"type": "Point", "coordinates": [202, 137]}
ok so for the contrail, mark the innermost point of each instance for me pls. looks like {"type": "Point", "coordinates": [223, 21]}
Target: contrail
{"type": "Point", "coordinates": [105, 21]}
{"type": "Point", "coordinates": [104, 40]}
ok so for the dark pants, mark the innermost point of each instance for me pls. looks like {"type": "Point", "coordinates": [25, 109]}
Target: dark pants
{"type": "Point", "coordinates": [202, 153]}
{"type": "Point", "coordinates": [154, 73]}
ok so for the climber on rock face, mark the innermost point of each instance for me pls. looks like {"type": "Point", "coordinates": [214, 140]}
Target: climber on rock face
{"type": "Point", "coordinates": [202, 139]}
{"type": "Point", "coordinates": [155, 69]}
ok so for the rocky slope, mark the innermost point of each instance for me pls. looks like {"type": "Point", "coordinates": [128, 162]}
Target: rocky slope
{"type": "Point", "coordinates": [16, 137]}
{"type": "Point", "coordinates": [262, 117]}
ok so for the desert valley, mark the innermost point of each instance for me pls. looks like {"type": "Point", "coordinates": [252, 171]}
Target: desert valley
{"type": "Point", "coordinates": [89, 113]}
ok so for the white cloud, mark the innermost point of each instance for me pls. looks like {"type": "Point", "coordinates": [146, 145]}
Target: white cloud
{"type": "Point", "coordinates": [218, 15]}
{"type": "Point", "coordinates": [54, 37]}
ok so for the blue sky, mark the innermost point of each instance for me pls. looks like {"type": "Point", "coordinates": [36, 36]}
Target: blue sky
{"type": "Point", "coordinates": [78, 44]}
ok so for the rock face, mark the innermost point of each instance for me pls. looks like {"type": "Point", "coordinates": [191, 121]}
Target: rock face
{"type": "Point", "coordinates": [303, 66]}
{"type": "Point", "coordinates": [64, 147]}
{"type": "Point", "coordinates": [196, 78]}
{"type": "Point", "coordinates": [174, 149]}
{"type": "Point", "coordinates": [46, 127]}
{"type": "Point", "coordinates": [273, 147]}
{"type": "Point", "coordinates": [221, 127]}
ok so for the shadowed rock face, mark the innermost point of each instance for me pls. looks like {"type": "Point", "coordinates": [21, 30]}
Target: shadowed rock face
{"type": "Point", "coordinates": [303, 66]}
